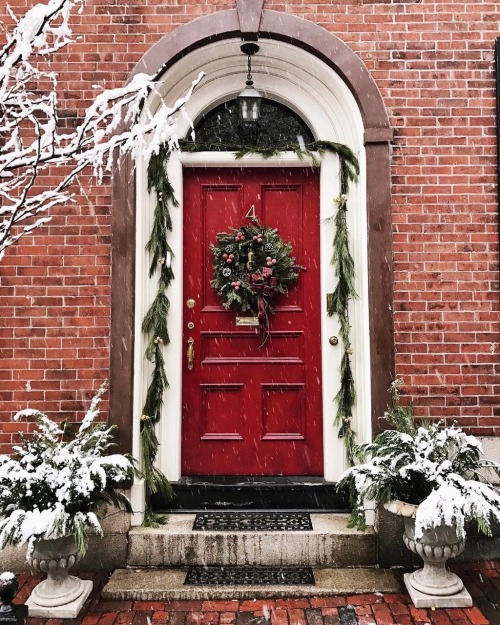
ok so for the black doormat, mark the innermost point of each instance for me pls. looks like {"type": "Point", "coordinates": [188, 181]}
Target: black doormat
{"type": "Point", "coordinates": [216, 575]}
{"type": "Point", "coordinates": [252, 521]}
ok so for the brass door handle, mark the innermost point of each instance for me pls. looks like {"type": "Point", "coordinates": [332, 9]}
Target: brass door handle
{"type": "Point", "coordinates": [190, 353]}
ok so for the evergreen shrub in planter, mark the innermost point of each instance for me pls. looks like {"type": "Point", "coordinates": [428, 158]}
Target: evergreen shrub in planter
{"type": "Point", "coordinates": [439, 469]}
{"type": "Point", "coordinates": [441, 472]}
{"type": "Point", "coordinates": [55, 483]}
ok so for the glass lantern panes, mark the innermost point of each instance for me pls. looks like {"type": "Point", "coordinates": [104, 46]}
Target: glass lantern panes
{"type": "Point", "coordinates": [278, 126]}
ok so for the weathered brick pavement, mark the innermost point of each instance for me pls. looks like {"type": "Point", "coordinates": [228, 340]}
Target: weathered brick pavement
{"type": "Point", "coordinates": [482, 580]}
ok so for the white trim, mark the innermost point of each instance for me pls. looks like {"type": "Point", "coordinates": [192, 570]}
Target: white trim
{"type": "Point", "coordinates": [311, 88]}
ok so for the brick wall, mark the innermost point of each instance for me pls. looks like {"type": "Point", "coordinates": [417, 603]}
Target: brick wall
{"type": "Point", "coordinates": [433, 63]}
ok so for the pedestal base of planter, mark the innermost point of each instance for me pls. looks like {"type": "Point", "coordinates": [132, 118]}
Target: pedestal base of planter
{"type": "Point", "coordinates": [67, 610]}
{"type": "Point", "coordinates": [460, 599]}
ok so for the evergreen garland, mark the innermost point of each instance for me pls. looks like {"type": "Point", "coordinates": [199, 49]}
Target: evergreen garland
{"type": "Point", "coordinates": [154, 326]}
{"type": "Point", "coordinates": [155, 321]}
{"type": "Point", "coordinates": [338, 304]}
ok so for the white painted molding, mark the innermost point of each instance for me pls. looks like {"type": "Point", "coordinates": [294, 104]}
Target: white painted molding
{"type": "Point", "coordinates": [313, 90]}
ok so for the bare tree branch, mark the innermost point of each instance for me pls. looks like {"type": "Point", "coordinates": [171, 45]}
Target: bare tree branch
{"type": "Point", "coordinates": [31, 138]}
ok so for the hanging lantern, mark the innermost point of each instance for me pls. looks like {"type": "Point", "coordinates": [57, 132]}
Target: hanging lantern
{"type": "Point", "coordinates": [249, 99]}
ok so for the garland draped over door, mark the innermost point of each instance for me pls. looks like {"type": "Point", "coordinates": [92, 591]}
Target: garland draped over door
{"type": "Point", "coordinates": [154, 325]}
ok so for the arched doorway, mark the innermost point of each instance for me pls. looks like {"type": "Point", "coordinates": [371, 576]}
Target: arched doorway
{"type": "Point", "coordinates": [320, 95]}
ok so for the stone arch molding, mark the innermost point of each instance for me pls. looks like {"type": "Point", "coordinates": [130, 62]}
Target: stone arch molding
{"type": "Point", "coordinates": [311, 71]}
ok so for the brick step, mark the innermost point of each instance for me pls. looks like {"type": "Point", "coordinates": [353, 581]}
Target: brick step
{"type": "Point", "coordinates": [329, 544]}
{"type": "Point", "coordinates": [168, 584]}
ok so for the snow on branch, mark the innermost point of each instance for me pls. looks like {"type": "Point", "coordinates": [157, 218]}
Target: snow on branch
{"type": "Point", "coordinates": [31, 137]}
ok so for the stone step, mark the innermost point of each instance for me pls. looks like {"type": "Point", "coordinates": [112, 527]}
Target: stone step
{"type": "Point", "coordinates": [253, 493]}
{"type": "Point", "coordinates": [329, 544]}
{"type": "Point", "coordinates": [168, 584]}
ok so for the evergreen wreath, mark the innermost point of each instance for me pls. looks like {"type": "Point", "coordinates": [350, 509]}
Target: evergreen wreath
{"type": "Point", "coordinates": [252, 265]}
{"type": "Point", "coordinates": [155, 322]}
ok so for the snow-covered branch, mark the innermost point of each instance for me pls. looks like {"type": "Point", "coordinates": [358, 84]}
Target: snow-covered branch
{"type": "Point", "coordinates": [31, 138]}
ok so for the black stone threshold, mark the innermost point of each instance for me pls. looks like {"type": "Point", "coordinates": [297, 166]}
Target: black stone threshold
{"type": "Point", "coordinates": [196, 493]}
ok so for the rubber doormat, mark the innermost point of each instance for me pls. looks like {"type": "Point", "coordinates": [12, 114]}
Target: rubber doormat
{"type": "Point", "coordinates": [252, 521]}
{"type": "Point", "coordinates": [216, 575]}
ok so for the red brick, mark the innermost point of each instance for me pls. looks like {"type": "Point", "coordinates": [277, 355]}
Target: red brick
{"type": "Point", "coordinates": [124, 618]}
{"type": "Point", "coordinates": [327, 602]}
{"type": "Point", "coordinates": [292, 603]}
{"type": "Point", "coordinates": [194, 618]}
{"type": "Point", "coordinates": [439, 617]}
{"type": "Point", "coordinates": [393, 598]}
{"type": "Point", "coordinates": [364, 599]}
{"type": "Point", "coordinates": [475, 616]}
{"type": "Point", "coordinates": [405, 619]}
{"type": "Point", "coordinates": [254, 604]}
{"type": "Point", "coordinates": [296, 617]}
{"type": "Point", "coordinates": [366, 620]}
{"type": "Point", "coordinates": [382, 614]}
{"type": "Point", "coordinates": [279, 617]}
{"type": "Point", "coordinates": [210, 618]}
{"type": "Point", "coordinates": [183, 606]}
{"type": "Point", "coordinates": [419, 614]}
{"type": "Point", "coordinates": [329, 611]}
{"type": "Point", "coordinates": [220, 606]}
{"type": "Point", "coordinates": [398, 608]}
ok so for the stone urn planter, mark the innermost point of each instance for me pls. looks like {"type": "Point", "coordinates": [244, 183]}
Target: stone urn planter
{"type": "Point", "coordinates": [60, 595]}
{"type": "Point", "coordinates": [433, 586]}
{"type": "Point", "coordinates": [52, 493]}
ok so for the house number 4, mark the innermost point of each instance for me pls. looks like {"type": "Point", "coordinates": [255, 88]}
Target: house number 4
{"type": "Point", "coordinates": [251, 213]}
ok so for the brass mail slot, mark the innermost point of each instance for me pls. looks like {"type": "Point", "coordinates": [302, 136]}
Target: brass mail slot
{"type": "Point", "coordinates": [247, 321]}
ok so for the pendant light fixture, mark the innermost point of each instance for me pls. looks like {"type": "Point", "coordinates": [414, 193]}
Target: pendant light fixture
{"type": "Point", "coordinates": [249, 99]}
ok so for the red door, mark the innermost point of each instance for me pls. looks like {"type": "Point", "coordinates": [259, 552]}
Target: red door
{"type": "Point", "coordinates": [251, 411]}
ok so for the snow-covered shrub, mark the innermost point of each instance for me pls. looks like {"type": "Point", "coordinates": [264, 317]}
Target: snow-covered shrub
{"type": "Point", "coordinates": [54, 484]}
{"type": "Point", "coordinates": [438, 468]}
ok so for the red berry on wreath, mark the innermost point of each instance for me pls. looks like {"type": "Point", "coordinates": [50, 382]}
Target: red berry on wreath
{"type": "Point", "coordinates": [229, 260]}
{"type": "Point", "coordinates": [224, 256]}
{"type": "Point", "coordinates": [259, 240]}
{"type": "Point", "coordinates": [274, 261]}
{"type": "Point", "coordinates": [268, 258]}
{"type": "Point", "coordinates": [238, 283]}
{"type": "Point", "coordinates": [236, 288]}
{"type": "Point", "coordinates": [231, 255]}
{"type": "Point", "coordinates": [269, 263]}
{"type": "Point", "coordinates": [255, 238]}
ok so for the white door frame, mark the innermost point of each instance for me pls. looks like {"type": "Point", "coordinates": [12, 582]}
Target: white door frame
{"type": "Point", "coordinates": [308, 86]}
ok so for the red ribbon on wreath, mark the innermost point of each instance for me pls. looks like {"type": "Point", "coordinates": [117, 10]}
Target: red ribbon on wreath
{"type": "Point", "coordinates": [263, 284]}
